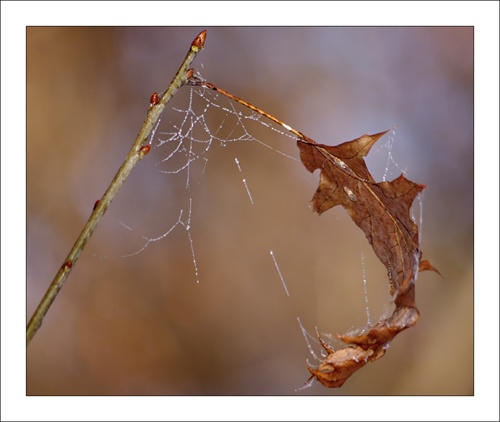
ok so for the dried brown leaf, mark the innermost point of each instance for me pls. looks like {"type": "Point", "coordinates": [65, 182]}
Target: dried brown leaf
{"type": "Point", "coordinates": [382, 211]}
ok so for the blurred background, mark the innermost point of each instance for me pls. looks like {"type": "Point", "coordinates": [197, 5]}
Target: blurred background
{"type": "Point", "coordinates": [142, 325]}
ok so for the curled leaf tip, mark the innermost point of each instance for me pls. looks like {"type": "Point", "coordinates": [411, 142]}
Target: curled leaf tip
{"type": "Point", "coordinates": [427, 266]}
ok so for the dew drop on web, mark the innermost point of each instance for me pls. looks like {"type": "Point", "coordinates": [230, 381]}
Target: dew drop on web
{"type": "Point", "coordinates": [350, 194]}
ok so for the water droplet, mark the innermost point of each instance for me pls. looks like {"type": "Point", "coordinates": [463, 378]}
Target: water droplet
{"type": "Point", "coordinates": [350, 194]}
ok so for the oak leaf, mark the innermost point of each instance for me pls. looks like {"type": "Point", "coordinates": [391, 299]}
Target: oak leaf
{"type": "Point", "coordinates": [382, 211]}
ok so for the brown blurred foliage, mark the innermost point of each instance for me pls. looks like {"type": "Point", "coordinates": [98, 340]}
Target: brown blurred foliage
{"type": "Point", "coordinates": [143, 325]}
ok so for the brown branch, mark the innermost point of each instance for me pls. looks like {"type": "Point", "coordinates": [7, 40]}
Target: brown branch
{"type": "Point", "coordinates": [138, 150]}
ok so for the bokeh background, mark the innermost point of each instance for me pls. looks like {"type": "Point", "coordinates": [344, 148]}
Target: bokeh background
{"type": "Point", "coordinates": [142, 325]}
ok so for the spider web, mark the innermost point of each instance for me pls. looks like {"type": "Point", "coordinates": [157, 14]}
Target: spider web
{"type": "Point", "coordinates": [199, 128]}
{"type": "Point", "coordinates": [201, 125]}
{"type": "Point", "coordinates": [194, 137]}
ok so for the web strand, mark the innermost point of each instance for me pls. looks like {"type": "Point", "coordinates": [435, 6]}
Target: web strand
{"type": "Point", "coordinates": [180, 222]}
{"type": "Point", "coordinates": [244, 181]}
{"type": "Point", "coordinates": [279, 273]}
{"type": "Point", "coordinates": [306, 335]}
{"type": "Point", "coordinates": [365, 288]}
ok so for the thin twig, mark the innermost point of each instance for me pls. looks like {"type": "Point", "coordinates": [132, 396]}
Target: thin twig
{"type": "Point", "coordinates": [137, 152]}
{"type": "Point", "coordinates": [197, 81]}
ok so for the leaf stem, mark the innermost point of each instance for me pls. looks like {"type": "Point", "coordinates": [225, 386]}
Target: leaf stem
{"type": "Point", "coordinates": [197, 81]}
{"type": "Point", "coordinates": [138, 150]}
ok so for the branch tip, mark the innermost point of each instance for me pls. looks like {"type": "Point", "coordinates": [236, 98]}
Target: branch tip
{"type": "Point", "coordinates": [199, 41]}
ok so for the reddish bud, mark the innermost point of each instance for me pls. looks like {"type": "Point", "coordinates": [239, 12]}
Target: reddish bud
{"type": "Point", "coordinates": [199, 41]}
{"type": "Point", "coordinates": [155, 99]}
{"type": "Point", "coordinates": [145, 149]}
{"type": "Point", "coordinates": [189, 73]}
{"type": "Point", "coordinates": [96, 204]}
{"type": "Point", "coordinates": [68, 265]}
